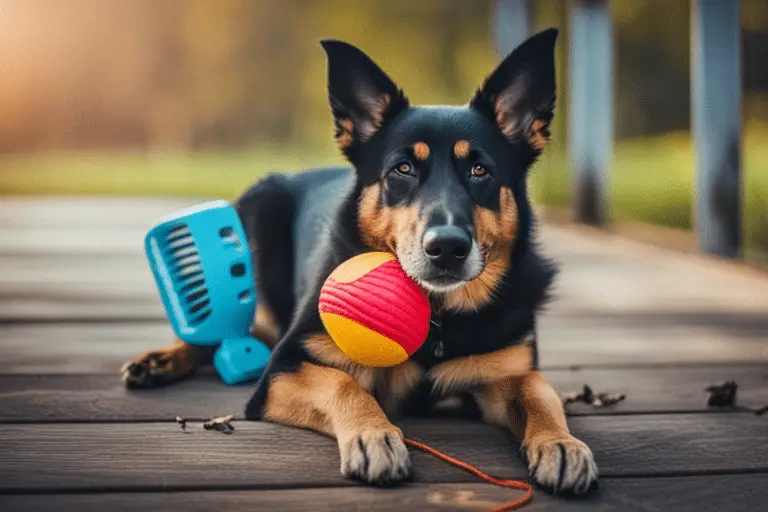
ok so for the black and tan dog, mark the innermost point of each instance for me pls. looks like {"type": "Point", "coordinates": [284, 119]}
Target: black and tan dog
{"type": "Point", "coordinates": [444, 189]}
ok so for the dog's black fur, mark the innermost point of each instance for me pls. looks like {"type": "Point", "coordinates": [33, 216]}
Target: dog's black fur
{"type": "Point", "coordinates": [304, 225]}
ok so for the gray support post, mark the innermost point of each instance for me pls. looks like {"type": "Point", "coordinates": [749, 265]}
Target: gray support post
{"type": "Point", "coordinates": [511, 22]}
{"type": "Point", "coordinates": [716, 124]}
{"type": "Point", "coordinates": [590, 109]}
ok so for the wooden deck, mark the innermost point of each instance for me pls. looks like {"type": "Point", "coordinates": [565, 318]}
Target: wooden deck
{"type": "Point", "coordinates": [77, 299]}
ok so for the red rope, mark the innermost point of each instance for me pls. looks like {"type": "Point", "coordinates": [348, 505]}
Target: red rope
{"type": "Point", "coordinates": [514, 484]}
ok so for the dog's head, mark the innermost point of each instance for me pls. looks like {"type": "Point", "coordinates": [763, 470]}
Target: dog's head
{"type": "Point", "coordinates": [444, 187]}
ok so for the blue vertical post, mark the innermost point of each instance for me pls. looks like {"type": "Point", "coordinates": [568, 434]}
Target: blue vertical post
{"type": "Point", "coordinates": [511, 22]}
{"type": "Point", "coordinates": [716, 124]}
{"type": "Point", "coordinates": [590, 109]}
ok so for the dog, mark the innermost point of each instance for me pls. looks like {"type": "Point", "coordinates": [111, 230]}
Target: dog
{"type": "Point", "coordinates": [444, 189]}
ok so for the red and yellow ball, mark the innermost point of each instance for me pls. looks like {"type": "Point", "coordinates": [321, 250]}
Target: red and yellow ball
{"type": "Point", "coordinates": [376, 314]}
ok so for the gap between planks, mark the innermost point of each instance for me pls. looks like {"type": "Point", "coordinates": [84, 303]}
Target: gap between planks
{"type": "Point", "coordinates": [691, 494]}
{"type": "Point", "coordinates": [62, 398]}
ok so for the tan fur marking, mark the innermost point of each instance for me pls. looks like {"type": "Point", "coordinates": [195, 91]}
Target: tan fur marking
{"type": "Point", "coordinates": [461, 149]}
{"type": "Point", "coordinates": [326, 351]}
{"type": "Point", "coordinates": [344, 131]}
{"type": "Point", "coordinates": [393, 384]}
{"type": "Point", "coordinates": [495, 399]}
{"type": "Point", "coordinates": [496, 232]}
{"type": "Point", "coordinates": [169, 363]}
{"type": "Point", "coordinates": [506, 104]}
{"type": "Point", "coordinates": [376, 107]}
{"type": "Point", "coordinates": [533, 412]}
{"type": "Point", "coordinates": [539, 135]}
{"type": "Point", "coordinates": [504, 118]}
{"type": "Point", "coordinates": [541, 406]}
{"type": "Point", "coordinates": [265, 326]}
{"type": "Point", "coordinates": [288, 403]}
{"type": "Point", "coordinates": [329, 401]}
{"type": "Point", "coordinates": [324, 399]}
{"type": "Point", "coordinates": [179, 358]}
{"type": "Point", "coordinates": [397, 382]}
{"type": "Point", "coordinates": [374, 226]}
{"type": "Point", "coordinates": [379, 108]}
{"type": "Point", "coordinates": [384, 228]}
{"type": "Point", "coordinates": [477, 370]}
{"type": "Point", "coordinates": [421, 151]}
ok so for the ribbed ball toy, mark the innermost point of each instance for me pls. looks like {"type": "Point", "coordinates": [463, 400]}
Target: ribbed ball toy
{"type": "Point", "coordinates": [376, 314]}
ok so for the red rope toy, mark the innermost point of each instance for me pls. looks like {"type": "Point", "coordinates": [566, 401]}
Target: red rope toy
{"type": "Point", "coordinates": [513, 484]}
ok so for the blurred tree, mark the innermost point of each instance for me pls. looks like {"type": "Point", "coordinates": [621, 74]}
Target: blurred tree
{"type": "Point", "coordinates": [652, 67]}
{"type": "Point", "coordinates": [192, 74]}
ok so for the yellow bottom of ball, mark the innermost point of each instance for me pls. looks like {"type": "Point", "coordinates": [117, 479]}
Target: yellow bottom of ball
{"type": "Point", "coordinates": [361, 344]}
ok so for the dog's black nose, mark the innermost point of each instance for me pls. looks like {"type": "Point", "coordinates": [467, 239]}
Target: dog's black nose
{"type": "Point", "coordinates": [447, 246]}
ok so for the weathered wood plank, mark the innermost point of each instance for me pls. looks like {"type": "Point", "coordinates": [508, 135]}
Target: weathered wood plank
{"type": "Point", "coordinates": [646, 338]}
{"type": "Point", "coordinates": [74, 348]}
{"type": "Point", "coordinates": [648, 390]}
{"type": "Point", "coordinates": [86, 212]}
{"type": "Point", "coordinates": [46, 398]}
{"type": "Point", "coordinates": [52, 310]}
{"type": "Point", "coordinates": [604, 271]}
{"type": "Point", "coordinates": [564, 342]}
{"type": "Point", "coordinates": [78, 276]}
{"type": "Point", "coordinates": [160, 456]}
{"type": "Point", "coordinates": [682, 494]}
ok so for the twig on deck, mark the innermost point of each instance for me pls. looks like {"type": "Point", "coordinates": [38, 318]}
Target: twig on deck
{"type": "Point", "coordinates": [222, 424]}
{"type": "Point", "coordinates": [588, 397]}
{"type": "Point", "coordinates": [722, 395]}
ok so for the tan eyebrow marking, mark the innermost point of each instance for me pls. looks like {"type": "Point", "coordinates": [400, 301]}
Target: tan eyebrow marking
{"type": "Point", "coordinates": [461, 149]}
{"type": "Point", "coordinates": [421, 151]}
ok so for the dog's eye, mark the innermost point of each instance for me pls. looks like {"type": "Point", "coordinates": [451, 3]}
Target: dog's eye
{"type": "Point", "coordinates": [404, 168]}
{"type": "Point", "coordinates": [478, 171]}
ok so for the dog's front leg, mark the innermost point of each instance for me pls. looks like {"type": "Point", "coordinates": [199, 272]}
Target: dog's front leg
{"type": "Point", "coordinates": [531, 408]}
{"type": "Point", "coordinates": [330, 401]}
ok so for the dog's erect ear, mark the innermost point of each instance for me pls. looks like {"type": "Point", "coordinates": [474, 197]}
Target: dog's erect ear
{"type": "Point", "coordinates": [362, 96]}
{"type": "Point", "coordinates": [520, 94]}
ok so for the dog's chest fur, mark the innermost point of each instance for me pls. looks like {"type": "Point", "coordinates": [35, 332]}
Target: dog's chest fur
{"type": "Point", "coordinates": [459, 349]}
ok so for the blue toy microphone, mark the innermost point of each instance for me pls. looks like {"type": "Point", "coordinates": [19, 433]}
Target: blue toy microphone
{"type": "Point", "coordinates": [202, 266]}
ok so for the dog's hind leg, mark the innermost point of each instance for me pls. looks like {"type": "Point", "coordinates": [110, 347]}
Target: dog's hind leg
{"type": "Point", "coordinates": [330, 401]}
{"type": "Point", "coordinates": [179, 360]}
{"type": "Point", "coordinates": [531, 408]}
{"type": "Point", "coordinates": [165, 366]}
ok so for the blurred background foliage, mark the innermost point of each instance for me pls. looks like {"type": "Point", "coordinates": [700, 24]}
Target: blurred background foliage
{"type": "Point", "coordinates": [201, 97]}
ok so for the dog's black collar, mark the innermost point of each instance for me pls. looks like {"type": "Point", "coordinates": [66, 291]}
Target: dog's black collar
{"type": "Point", "coordinates": [437, 348]}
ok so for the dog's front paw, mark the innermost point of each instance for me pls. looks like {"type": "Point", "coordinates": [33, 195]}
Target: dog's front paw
{"type": "Point", "coordinates": [378, 457]}
{"type": "Point", "coordinates": [561, 464]}
{"type": "Point", "coordinates": [149, 371]}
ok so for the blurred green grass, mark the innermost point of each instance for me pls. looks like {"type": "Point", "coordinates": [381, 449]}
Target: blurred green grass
{"type": "Point", "coordinates": [651, 179]}
{"type": "Point", "coordinates": [204, 174]}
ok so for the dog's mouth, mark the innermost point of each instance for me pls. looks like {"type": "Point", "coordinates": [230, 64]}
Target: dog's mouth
{"type": "Point", "coordinates": [442, 283]}
{"type": "Point", "coordinates": [437, 280]}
